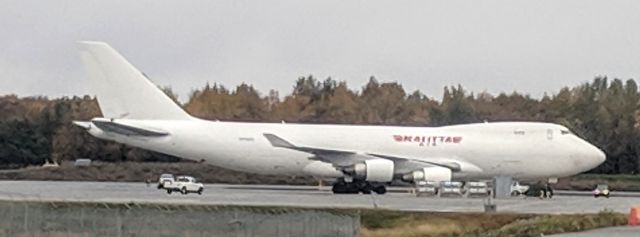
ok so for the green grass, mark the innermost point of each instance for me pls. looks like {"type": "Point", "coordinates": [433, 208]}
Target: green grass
{"type": "Point", "coordinates": [609, 177]}
{"type": "Point", "coordinates": [376, 223]}
{"type": "Point", "coordinates": [619, 182]}
{"type": "Point", "coordinates": [554, 224]}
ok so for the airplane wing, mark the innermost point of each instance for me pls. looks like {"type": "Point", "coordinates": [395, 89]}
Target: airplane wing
{"type": "Point", "coordinates": [108, 125]}
{"type": "Point", "coordinates": [347, 158]}
{"type": "Point", "coordinates": [82, 124]}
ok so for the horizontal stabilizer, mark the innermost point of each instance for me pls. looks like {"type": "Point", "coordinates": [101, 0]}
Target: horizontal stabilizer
{"type": "Point", "coordinates": [119, 128]}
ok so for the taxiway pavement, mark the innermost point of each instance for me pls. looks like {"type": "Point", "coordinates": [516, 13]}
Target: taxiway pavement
{"type": "Point", "coordinates": [300, 196]}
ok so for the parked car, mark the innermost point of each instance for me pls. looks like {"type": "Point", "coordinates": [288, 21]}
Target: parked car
{"type": "Point", "coordinates": [601, 190]}
{"type": "Point", "coordinates": [184, 185]}
{"type": "Point", "coordinates": [164, 178]}
{"type": "Point", "coordinates": [451, 188]}
{"type": "Point", "coordinates": [517, 189]}
{"type": "Point", "coordinates": [426, 188]}
{"type": "Point", "coordinates": [477, 189]}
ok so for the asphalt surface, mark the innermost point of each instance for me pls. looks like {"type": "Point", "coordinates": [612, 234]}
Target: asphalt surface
{"type": "Point", "coordinates": [624, 231]}
{"type": "Point", "coordinates": [302, 196]}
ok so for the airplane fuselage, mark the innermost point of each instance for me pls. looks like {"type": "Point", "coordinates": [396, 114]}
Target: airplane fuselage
{"type": "Point", "coordinates": [522, 150]}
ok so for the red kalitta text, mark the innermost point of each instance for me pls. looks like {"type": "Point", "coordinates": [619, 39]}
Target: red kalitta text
{"type": "Point", "coordinates": [428, 140]}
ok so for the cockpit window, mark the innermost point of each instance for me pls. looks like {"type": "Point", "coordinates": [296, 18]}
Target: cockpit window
{"type": "Point", "coordinates": [565, 132]}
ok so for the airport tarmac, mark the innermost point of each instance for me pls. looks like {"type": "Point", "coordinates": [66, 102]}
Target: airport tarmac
{"type": "Point", "coordinates": [300, 196]}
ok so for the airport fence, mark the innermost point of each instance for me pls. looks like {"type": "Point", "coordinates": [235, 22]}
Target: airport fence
{"type": "Point", "coordinates": [71, 219]}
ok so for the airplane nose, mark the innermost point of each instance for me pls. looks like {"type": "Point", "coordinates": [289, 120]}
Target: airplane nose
{"type": "Point", "coordinates": [595, 156]}
{"type": "Point", "coordinates": [600, 156]}
{"type": "Point", "coordinates": [586, 156]}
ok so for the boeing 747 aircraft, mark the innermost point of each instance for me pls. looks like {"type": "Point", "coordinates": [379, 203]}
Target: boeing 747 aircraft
{"type": "Point", "coordinates": [359, 158]}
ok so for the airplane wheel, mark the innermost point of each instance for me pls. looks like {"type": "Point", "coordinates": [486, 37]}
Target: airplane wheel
{"type": "Point", "coordinates": [339, 187]}
{"type": "Point", "coordinates": [352, 188]}
{"type": "Point", "coordinates": [380, 189]}
{"type": "Point", "coordinates": [366, 189]}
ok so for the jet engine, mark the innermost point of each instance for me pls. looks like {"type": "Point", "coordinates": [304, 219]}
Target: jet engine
{"type": "Point", "coordinates": [375, 170]}
{"type": "Point", "coordinates": [435, 173]}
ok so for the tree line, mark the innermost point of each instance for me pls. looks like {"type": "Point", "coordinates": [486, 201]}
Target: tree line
{"type": "Point", "coordinates": [603, 111]}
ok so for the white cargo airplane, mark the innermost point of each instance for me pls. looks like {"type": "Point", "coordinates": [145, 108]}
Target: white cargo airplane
{"type": "Point", "coordinates": [361, 158]}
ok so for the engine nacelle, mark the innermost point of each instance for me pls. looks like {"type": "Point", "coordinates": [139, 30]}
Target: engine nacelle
{"type": "Point", "coordinates": [375, 170]}
{"type": "Point", "coordinates": [436, 173]}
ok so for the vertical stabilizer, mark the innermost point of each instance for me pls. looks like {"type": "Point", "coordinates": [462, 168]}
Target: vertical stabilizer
{"type": "Point", "coordinates": [122, 90]}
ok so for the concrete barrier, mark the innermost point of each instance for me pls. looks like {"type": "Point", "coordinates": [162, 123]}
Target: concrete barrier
{"type": "Point", "coordinates": [51, 219]}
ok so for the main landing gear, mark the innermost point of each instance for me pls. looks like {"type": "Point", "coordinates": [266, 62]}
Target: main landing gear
{"type": "Point", "coordinates": [546, 191]}
{"type": "Point", "coordinates": [357, 186]}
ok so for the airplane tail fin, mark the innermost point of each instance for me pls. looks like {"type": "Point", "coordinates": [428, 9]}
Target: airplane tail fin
{"type": "Point", "coordinates": [122, 90]}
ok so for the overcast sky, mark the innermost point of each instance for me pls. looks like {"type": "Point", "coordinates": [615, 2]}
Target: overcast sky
{"type": "Point", "coordinates": [495, 46]}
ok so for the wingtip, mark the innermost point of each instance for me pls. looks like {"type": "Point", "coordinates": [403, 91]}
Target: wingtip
{"type": "Point", "coordinates": [82, 124]}
{"type": "Point", "coordinates": [91, 42]}
{"type": "Point", "coordinates": [277, 141]}
{"type": "Point", "coordinates": [91, 45]}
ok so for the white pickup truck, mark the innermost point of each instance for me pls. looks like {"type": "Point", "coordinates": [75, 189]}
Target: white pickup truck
{"type": "Point", "coordinates": [182, 184]}
{"type": "Point", "coordinates": [517, 189]}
